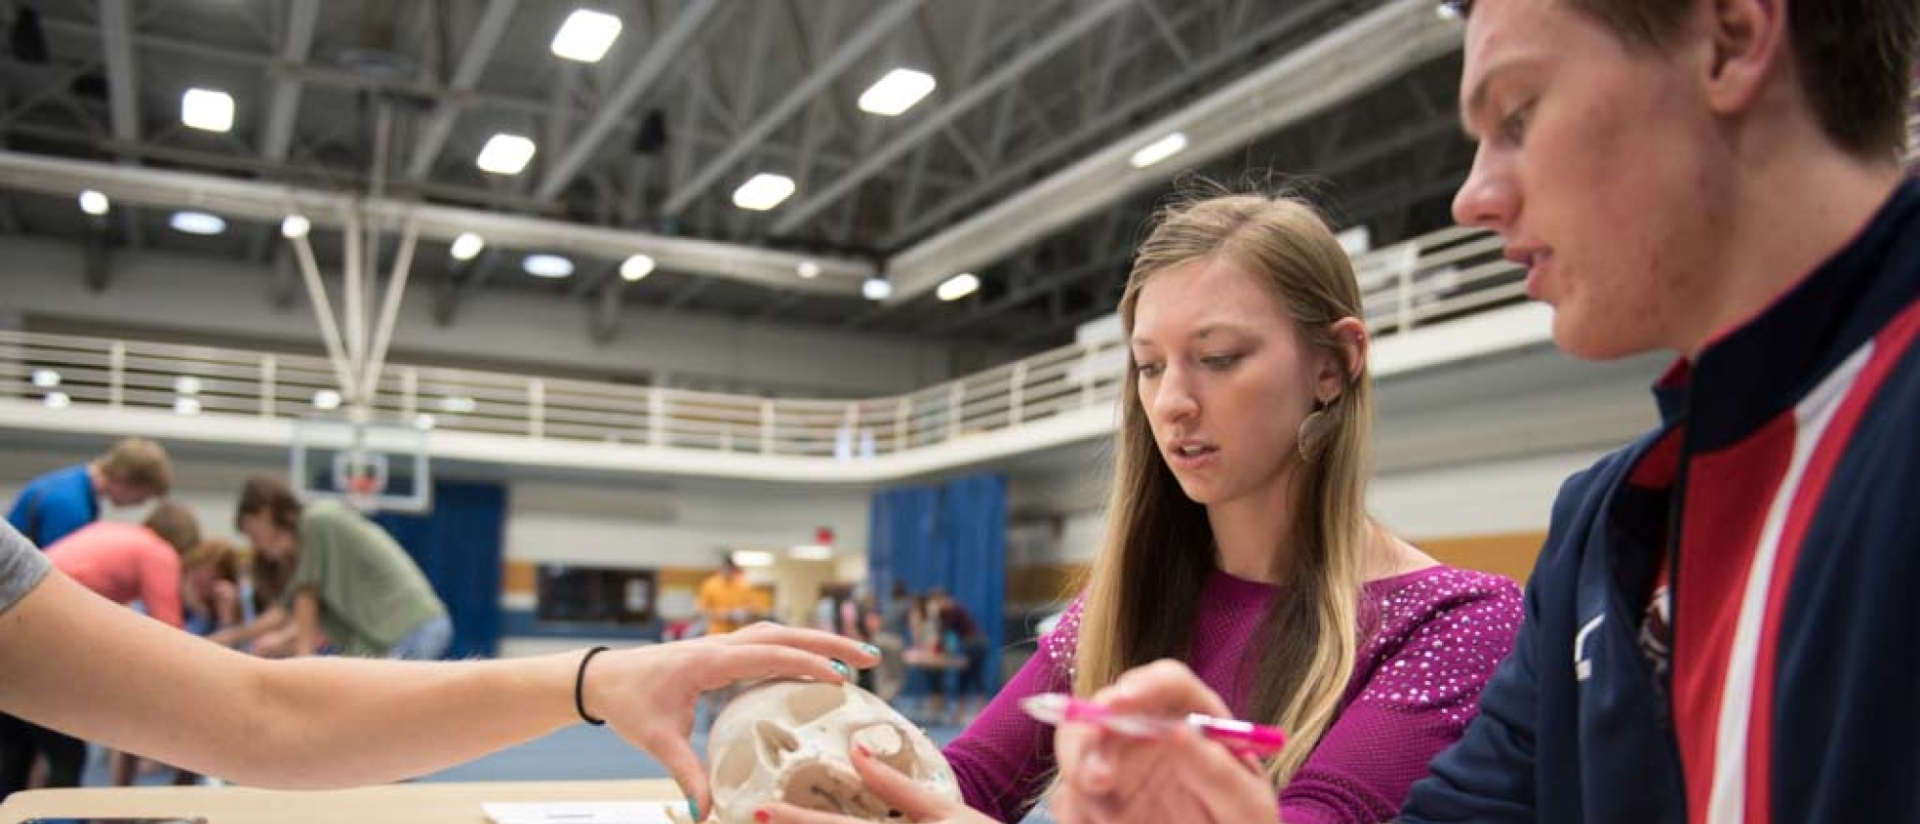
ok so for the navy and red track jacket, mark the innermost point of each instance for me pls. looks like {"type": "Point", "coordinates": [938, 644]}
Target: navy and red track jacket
{"type": "Point", "coordinates": [1780, 499]}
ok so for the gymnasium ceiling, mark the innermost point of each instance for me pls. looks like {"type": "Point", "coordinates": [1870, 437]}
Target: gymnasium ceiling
{"type": "Point", "coordinates": [396, 100]}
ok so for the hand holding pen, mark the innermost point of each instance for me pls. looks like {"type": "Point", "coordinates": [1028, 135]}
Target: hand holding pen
{"type": "Point", "coordinates": [1239, 737]}
{"type": "Point", "coordinates": [1175, 767]}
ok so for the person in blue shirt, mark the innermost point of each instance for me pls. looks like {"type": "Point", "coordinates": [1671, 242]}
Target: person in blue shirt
{"type": "Point", "coordinates": [55, 504]}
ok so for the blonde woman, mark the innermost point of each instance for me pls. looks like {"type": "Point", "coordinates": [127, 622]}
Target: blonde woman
{"type": "Point", "coordinates": [1238, 540]}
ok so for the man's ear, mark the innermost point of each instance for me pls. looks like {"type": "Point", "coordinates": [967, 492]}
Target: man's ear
{"type": "Point", "coordinates": [1350, 341]}
{"type": "Point", "coordinates": [1749, 40]}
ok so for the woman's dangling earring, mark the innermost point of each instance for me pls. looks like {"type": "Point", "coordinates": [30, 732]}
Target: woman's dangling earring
{"type": "Point", "coordinates": [1310, 430]}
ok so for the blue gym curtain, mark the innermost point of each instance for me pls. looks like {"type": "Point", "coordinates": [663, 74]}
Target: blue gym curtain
{"type": "Point", "coordinates": [458, 546]}
{"type": "Point", "coordinates": [953, 536]}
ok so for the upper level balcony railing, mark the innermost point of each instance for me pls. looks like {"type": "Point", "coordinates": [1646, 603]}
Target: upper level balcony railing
{"type": "Point", "coordinates": [1425, 281]}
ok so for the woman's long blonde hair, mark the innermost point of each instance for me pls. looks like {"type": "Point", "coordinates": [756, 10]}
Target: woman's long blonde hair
{"type": "Point", "coordinates": [1144, 588]}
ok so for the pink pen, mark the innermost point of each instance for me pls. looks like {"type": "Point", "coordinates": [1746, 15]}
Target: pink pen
{"type": "Point", "coordinates": [1242, 737]}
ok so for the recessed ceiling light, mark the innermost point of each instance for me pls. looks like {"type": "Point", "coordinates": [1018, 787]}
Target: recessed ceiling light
{"type": "Point", "coordinates": [958, 286]}
{"type": "Point", "coordinates": [896, 93]}
{"type": "Point", "coordinates": [424, 421]}
{"type": "Point", "coordinates": [764, 191]}
{"type": "Point", "coordinates": [586, 35]}
{"type": "Point", "coordinates": [636, 267]}
{"type": "Point", "coordinates": [186, 385]}
{"type": "Point", "coordinates": [505, 154]}
{"type": "Point", "coordinates": [547, 266]}
{"type": "Point", "coordinates": [186, 406]}
{"type": "Point", "coordinates": [808, 269]}
{"type": "Point", "coordinates": [876, 288]}
{"type": "Point", "coordinates": [1159, 150]}
{"type": "Point", "coordinates": [46, 378]}
{"type": "Point", "coordinates": [57, 400]}
{"type": "Point", "coordinates": [326, 399]}
{"type": "Point", "coordinates": [94, 203]}
{"type": "Point", "coordinates": [467, 246]}
{"type": "Point", "coordinates": [208, 110]}
{"type": "Point", "coordinates": [197, 223]}
{"type": "Point", "coordinates": [295, 226]}
{"type": "Point", "coordinates": [458, 404]}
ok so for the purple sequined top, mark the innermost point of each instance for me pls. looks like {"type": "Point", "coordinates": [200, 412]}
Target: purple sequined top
{"type": "Point", "coordinates": [1437, 634]}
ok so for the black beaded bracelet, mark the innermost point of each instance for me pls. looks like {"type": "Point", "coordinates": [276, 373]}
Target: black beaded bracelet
{"type": "Point", "coordinates": [579, 688]}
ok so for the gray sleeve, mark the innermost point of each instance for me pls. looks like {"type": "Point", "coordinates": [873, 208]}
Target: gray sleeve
{"type": "Point", "coordinates": [21, 566]}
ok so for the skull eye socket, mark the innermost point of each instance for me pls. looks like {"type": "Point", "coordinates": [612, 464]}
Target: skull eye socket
{"type": "Point", "coordinates": [810, 703]}
{"type": "Point", "coordinates": [774, 742]}
{"type": "Point", "coordinates": [734, 768]}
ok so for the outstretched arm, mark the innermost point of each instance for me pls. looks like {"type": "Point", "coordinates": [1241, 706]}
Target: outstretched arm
{"type": "Point", "coordinates": [143, 687]}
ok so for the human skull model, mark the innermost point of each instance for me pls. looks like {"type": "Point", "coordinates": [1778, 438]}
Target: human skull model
{"type": "Point", "coordinates": [791, 741]}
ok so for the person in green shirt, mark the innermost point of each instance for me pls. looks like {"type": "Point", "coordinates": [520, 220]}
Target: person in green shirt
{"type": "Point", "coordinates": [352, 585]}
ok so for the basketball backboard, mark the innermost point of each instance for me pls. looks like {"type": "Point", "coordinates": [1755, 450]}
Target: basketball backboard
{"type": "Point", "coordinates": [372, 466]}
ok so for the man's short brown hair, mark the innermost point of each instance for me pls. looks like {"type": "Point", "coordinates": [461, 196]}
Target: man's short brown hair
{"type": "Point", "coordinates": [175, 524]}
{"type": "Point", "coordinates": [266, 493]}
{"type": "Point", "coordinates": [1855, 59]}
{"type": "Point", "coordinates": [139, 462]}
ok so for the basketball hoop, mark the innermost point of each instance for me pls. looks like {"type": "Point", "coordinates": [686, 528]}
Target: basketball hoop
{"type": "Point", "coordinates": [363, 491]}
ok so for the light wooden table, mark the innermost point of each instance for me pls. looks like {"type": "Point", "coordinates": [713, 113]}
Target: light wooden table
{"type": "Point", "coordinates": [423, 803]}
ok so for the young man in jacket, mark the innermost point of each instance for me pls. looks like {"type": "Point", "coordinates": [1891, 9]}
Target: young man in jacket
{"type": "Point", "coordinates": [1722, 625]}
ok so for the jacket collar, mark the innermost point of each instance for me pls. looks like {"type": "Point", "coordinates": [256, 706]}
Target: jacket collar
{"type": "Point", "coordinates": [1760, 369]}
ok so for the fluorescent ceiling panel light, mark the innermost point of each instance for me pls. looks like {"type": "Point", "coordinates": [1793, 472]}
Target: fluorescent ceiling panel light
{"type": "Point", "coordinates": [1355, 240]}
{"type": "Point", "coordinates": [808, 270]}
{"type": "Point", "coordinates": [458, 404]}
{"type": "Point", "coordinates": [636, 267]}
{"type": "Point", "coordinates": [744, 558]}
{"type": "Point", "coordinates": [424, 422]}
{"type": "Point", "coordinates": [764, 191]}
{"type": "Point", "coordinates": [186, 385]}
{"type": "Point", "coordinates": [58, 400]}
{"type": "Point", "coordinates": [209, 110]}
{"type": "Point", "coordinates": [506, 154]}
{"type": "Point", "coordinates": [467, 246]}
{"type": "Point", "coordinates": [586, 35]}
{"type": "Point", "coordinates": [896, 93]}
{"type": "Point", "coordinates": [197, 223]}
{"type": "Point", "coordinates": [958, 286]}
{"type": "Point", "coordinates": [1159, 150]}
{"type": "Point", "coordinates": [186, 406]}
{"type": "Point", "coordinates": [295, 226]}
{"type": "Point", "coordinates": [876, 288]}
{"type": "Point", "coordinates": [547, 266]}
{"type": "Point", "coordinates": [46, 378]}
{"type": "Point", "coordinates": [326, 399]}
{"type": "Point", "coordinates": [94, 203]}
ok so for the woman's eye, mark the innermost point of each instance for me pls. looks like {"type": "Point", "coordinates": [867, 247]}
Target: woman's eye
{"type": "Point", "coordinates": [1148, 370]}
{"type": "Point", "coordinates": [1218, 362]}
{"type": "Point", "coordinates": [1513, 127]}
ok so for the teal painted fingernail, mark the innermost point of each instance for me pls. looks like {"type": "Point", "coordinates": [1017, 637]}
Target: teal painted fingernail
{"type": "Point", "coordinates": [870, 650]}
{"type": "Point", "coordinates": [844, 670]}
{"type": "Point", "coordinates": [693, 809]}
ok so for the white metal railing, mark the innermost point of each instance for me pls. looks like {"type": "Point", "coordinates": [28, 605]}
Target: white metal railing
{"type": "Point", "coordinates": [1423, 281]}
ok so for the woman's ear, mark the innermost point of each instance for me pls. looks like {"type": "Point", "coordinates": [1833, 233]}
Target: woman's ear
{"type": "Point", "coordinates": [1350, 340]}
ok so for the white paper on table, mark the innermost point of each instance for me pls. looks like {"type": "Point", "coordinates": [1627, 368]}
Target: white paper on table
{"type": "Point", "coordinates": [578, 812]}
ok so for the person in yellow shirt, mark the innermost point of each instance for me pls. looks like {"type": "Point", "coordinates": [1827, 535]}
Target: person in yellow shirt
{"type": "Point", "coordinates": [727, 600]}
